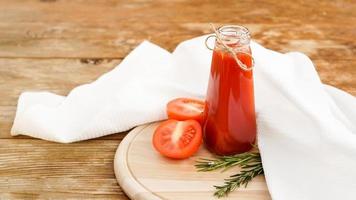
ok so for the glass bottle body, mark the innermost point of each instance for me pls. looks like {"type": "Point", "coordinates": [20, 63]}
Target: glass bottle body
{"type": "Point", "coordinates": [230, 126]}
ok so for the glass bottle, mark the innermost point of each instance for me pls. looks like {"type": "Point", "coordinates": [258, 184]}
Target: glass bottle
{"type": "Point", "coordinates": [230, 125]}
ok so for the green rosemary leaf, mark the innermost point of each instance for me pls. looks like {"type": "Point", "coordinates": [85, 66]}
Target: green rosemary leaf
{"type": "Point", "coordinates": [249, 162]}
{"type": "Point", "coordinates": [238, 180]}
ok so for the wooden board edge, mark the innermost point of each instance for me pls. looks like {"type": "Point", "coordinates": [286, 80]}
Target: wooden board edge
{"type": "Point", "coordinates": [133, 189]}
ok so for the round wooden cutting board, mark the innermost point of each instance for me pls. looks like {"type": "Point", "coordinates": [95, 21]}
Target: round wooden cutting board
{"type": "Point", "coordinates": [146, 175]}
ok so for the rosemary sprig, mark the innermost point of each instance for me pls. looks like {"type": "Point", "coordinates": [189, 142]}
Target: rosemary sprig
{"type": "Point", "coordinates": [249, 162]}
{"type": "Point", "coordinates": [226, 162]}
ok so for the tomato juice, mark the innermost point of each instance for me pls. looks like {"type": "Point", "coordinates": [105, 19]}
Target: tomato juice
{"type": "Point", "coordinates": [230, 125]}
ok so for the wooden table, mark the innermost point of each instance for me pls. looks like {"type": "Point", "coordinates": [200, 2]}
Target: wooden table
{"type": "Point", "coordinates": [56, 45]}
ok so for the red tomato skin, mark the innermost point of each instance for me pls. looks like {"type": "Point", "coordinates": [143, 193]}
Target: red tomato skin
{"type": "Point", "coordinates": [174, 113]}
{"type": "Point", "coordinates": [178, 153]}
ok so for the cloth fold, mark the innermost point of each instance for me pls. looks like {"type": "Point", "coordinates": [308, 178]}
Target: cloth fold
{"type": "Point", "coordinates": [306, 130]}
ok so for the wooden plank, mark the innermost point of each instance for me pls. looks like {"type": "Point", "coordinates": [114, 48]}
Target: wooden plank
{"type": "Point", "coordinates": [272, 11]}
{"type": "Point", "coordinates": [41, 169]}
{"type": "Point", "coordinates": [56, 75]}
{"type": "Point", "coordinates": [111, 29]}
{"type": "Point", "coordinates": [88, 41]}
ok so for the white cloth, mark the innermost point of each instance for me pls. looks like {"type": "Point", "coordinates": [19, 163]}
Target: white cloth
{"type": "Point", "coordinates": [306, 130]}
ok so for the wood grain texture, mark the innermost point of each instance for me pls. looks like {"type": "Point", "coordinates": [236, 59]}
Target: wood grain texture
{"type": "Point", "coordinates": [112, 28]}
{"type": "Point", "coordinates": [39, 169]}
{"type": "Point", "coordinates": [163, 178]}
{"type": "Point", "coordinates": [55, 45]}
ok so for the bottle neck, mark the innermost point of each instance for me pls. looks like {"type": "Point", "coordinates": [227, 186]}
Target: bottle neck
{"type": "Point", "coordinates": [234, 36]}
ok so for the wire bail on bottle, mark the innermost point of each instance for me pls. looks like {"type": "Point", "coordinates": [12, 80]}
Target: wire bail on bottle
{"type": "Point", "coordinates": [232, 51]}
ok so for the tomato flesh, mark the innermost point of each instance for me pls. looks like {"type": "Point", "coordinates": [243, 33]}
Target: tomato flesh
{"type": "Point", "coordinates": [185, 108]}
{"type": "Point", "coordinates": [177, 139]}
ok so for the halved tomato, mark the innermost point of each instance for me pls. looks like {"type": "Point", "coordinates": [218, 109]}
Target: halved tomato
{"type": "Point", "coordinates": [185, 108]}
{"type": "Point", "coordinates": [177, 139]}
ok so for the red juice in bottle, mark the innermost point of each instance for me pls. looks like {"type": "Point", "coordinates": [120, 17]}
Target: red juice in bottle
{"type": "Point", "coordinates": [230, 126]}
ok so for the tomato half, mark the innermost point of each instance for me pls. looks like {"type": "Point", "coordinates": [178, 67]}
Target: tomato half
{"type": "Point", "coordinates": [177, 139]}
{"type": "Point", "coordinates": [185, 108]}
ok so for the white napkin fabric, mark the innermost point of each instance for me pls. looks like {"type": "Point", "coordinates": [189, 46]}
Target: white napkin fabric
{"type": "Point", "coordinates": [133, 93]}
{"type": "Point", "coordinates": [306, 130]}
